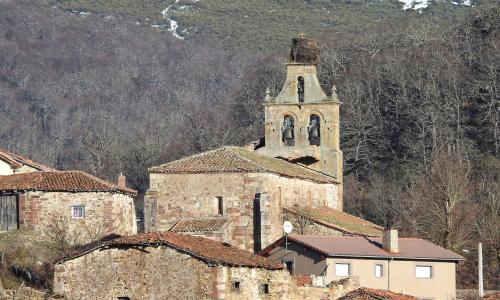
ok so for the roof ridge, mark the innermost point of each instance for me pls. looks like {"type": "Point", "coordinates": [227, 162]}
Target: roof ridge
{"type": "Point", "coordinates": [248, 160]}
{"type": "Point", "coordinates": [275, 159]}
{"type": "Point", "coordinates": [19, 160]}
{"type": "Point", "coordinates": [188, 157]}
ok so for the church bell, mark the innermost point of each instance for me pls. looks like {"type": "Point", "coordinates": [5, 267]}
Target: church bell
{"type": "Point", "coordinates": [314, 132]}
{"type": "Point", "coordinates": [288, 133]}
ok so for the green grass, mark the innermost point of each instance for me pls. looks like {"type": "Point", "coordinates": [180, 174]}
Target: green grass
{"type": "Point", "coordinates": [259, 25]}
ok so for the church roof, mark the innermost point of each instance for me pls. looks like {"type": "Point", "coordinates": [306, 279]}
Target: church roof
{"type": "Point", "coordinates": [59, 181]}
{"type": "Point", "coordinates": [17, 161]}
{"type": "Point", "coordinates": [238, 160]}
{"type": "Point", "coordinates": [338, 220]}
{"type": "Point", "coordinates": [206, 224]}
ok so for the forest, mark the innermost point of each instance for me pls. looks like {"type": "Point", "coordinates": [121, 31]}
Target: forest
{"type": "Point", "coordinates": [420, 111]}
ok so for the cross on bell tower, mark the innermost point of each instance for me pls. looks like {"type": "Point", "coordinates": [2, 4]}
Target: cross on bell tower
{"type": "Point", "coordinates": [302, 122]}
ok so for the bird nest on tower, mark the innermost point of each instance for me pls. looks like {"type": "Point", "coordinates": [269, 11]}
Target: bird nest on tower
{"type": "Point", "coordinates": [304, 51]}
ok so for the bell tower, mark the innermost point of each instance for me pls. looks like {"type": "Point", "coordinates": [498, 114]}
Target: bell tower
{"type": "Point", "coordinates": [302, 122]}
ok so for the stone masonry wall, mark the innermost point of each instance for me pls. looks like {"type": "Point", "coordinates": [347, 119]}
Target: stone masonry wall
{"type": "Point", "coordinates": [280, 283]}
{"type": "Point", "coordinates": [149, 273]}
{"type": "Point", "coordinates": [175, 196]}
{"type": "Point", "coordinates": [104, 212]}
{"type": "Point", "coordinates": [156, 273]}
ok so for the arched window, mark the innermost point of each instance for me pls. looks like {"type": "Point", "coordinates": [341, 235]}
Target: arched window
{"type": "Point", "coordinates": [314, 130]}
{"type": "Point", "coordinates": [300, 88]}
{"type": "Point", "coordinates": [288, 131]}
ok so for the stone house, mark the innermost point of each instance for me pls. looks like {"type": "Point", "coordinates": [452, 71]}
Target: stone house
{"type": "Point", "coordinates": [403, 265]}
{"type": "Point", "coordinates": [36, 199]}
{"type": "Point", "coordinates": [11, 163]}
{"type": "Point", "coordinates": [242, 195]}
{"type": "Point", "coordinates": [169, 266]}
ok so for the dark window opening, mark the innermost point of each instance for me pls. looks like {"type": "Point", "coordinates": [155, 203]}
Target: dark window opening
{"type": "Point", "coordinates": [289, 266]}
{"type": "Point", "coordinates": [314, 130]}
{"type": "Point", "coordinates": [288, 131]}
{"type": "Point", "coordinates": [123, 298]}
{"type": "Point", "coordinates": [257, 245]}
{"type": "Point", "coordinates": [237, 286]}
{"type": "Point", "coordinates": [300, 88]}
{"type": "Point", "coordinates": [264, 288]}
{"type": "Point", "coordinates": [220, 205]}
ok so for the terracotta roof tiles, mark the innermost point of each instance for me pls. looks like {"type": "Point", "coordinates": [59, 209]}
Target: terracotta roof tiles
{"type": "Point", "coordinates": [212, 252]}
{"type": "Point", "coordinates": [207, 224]}
{"type": "Point", "coordinates": [239, 160]}
{"type": "Point", "coordinates": [59, 181]}
{"type": "Point", "coordinates": [375, 294]}
{"type": "Point", "coordinates": [338, 220]}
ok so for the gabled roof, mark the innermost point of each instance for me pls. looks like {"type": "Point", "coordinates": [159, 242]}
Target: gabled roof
{"type": "Point", "coordinates": [59, 181]}
{"type": "Point", "coordinates": [363, 247]}
{"type": "Point", "coordinates": [209, 251]}
{"type": "Point", "coordinates": [238, 160]}
{"type": "Point", "coordinates": [336, 219]}
{"type": "Point", "coordinates": [204, 224]}
{"type": "Point", "coordinates": [375, 294]}
{"type": "Point", "coordinates": [17, 161]}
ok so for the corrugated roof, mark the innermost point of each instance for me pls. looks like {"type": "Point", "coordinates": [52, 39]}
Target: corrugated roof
{"type": "Point", "coordinates": [375, 294]}
{"type": "Point", "coordinates": [17, 161]}
{"type": "Point", "coordinates": [409, 248]}
{"type": "Point", "coordinates": [59, 181]}
{"type": "Point", "coordinates": [338, 220]}
{"type": "Point", "coordinates": [238, 160]}
{"type": "Point", "coordinates": [210, 251]}
{"type": "Point", "coordinates": [205, 224]}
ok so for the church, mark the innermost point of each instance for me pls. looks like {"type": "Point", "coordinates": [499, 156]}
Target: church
{"type": "Point", "coordinates": [242, 195]}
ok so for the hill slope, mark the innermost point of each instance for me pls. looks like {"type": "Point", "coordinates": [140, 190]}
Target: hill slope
{"type": "Point", "coordinates": [261, 24]}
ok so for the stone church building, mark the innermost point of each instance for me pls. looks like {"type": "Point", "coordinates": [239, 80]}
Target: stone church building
{"type": "Point", "coordinates": [242, 195]}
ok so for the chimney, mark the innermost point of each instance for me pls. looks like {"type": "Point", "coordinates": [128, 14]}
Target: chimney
{"type": "Point", "coordinates": [122, 181]}
{"type": "Point", "coordinates": [390, 241]}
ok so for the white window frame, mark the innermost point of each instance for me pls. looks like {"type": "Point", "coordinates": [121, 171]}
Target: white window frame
{"type": "Point", "coordinates": [73, 209]}
{"type": "Point", "coordinates": [348, 269]}
{"type": "Point", "coordinates": [381, 270]}
{"type": "Point", "coordinates": [419, 276]}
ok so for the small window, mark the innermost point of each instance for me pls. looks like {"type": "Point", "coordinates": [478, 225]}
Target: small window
{"type": "Point", "coordinates": [237, 286]}
{"type": "Point", "coordinates": [264, 288]}
{"type": "Point", "coordinates": [300, 88]}
{"type": "Point", "coordinates": [220, 205]}
{"type": "Point", "coordinates": [78, 212]}
{"type": "Point", "coordinates": [379, 270]}
{"type": "Point", "coordinates": [342, 270]}
{"type": "Point", "coordinates": [123, 298]}
{"type": "Point", "coordinates": [289, 266]}
{"type": "Point", "coordinates": [423, 271]}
